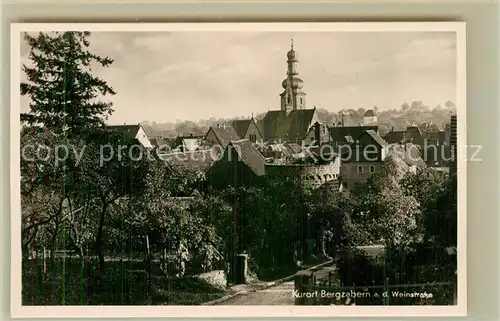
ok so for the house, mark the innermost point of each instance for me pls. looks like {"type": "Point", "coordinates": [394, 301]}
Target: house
{"type": "Point", "coordinates": [395, 136]}
{"type": "Point", "coordinates": [134, 132]}
{"type": "Point", "coordinates": [412, 134]}
{"type": "Point", "coordinates": [428, 127]}
{"type": "Point", "coordinates": [162, 144]}
{"type": "Point", "coordinates": [248, 129]}
{"type": "Point", "coordinates": [363, 158]}
{"type": "Point", "coordinates": [317, 135]}
{"type": "Point", "coordinates": [240, 164]}
{"type": "Point", "coordinates": [370, 118]}
{"type": "Point", "coordinates": [188, 143]}
{"type": "Point", "coordinates": [221, 135]}
{"type": "Point", "coordinates": [347, 135]}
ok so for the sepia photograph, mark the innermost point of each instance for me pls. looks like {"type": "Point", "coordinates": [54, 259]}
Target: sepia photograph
{"type": "Point", "coordinates": [215, 165]}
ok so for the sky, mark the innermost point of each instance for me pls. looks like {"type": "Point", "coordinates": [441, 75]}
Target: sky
{"type": "Point", "coordinates": [175, 76]}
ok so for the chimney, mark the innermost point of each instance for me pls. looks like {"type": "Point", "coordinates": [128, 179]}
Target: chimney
{"type": "Point", "coordinates": [392, 128]}
{"type": "Point", "coordinates": [342, 120]}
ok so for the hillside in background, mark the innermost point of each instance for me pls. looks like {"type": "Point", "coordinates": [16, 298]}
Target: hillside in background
{"type": "Point", "coordinates": [398, 119]}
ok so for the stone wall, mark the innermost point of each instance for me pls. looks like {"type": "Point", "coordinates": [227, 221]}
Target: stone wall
{"type": "Point", "coordinates": [313, 174]}
{"type": "Point", "coordinates": [215, 278]}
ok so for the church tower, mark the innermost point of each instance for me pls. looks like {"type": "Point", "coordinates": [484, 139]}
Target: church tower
{"type": "Point", "coordinates": [292, 98]}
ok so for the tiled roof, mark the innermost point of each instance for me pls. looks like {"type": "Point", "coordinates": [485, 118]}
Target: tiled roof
{"type": "Point", "coordinates": [277, 125]}
{"type": "Point", "coordinates": [414, 135]}
{"type": "Point", "coordinates": [298, 122]}
{"type": "Point", "coordinates": [376, 138]}
{"type": "Point", "coordinates": [274, 125]}
{"type": "Point", "coordinates": [369, 113]}
{"type": "Point", "coordinates": [241, 126]}
{"type": "Point", "coordinates": [250, 156]}
{"type": "Point", "coordinates": [157, 141]}
{"type": "Point", "coordinates": [395, 136]}
{"type": "Point", "coordinates": [129, 130]}
{"type": "Point", "coordinates": [410, 154]}
{"type": "Point", "coordinates": [294, 148]}
{"type": "Point", "coordinates": [340, 134]}
{"type": "Point", "coordinates": [436, 135]}
{"type": "Point", "coordinates": [196, 161]}
{"type": "Point", "coordinates": [225, 134]}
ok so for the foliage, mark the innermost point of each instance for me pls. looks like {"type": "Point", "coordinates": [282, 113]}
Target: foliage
{"type": "Point", "coordinates": [386, 212]}
{"type": "Point", "coordinates": [64, 94]}
{"type": "Point", "coordinates": [107, 199]}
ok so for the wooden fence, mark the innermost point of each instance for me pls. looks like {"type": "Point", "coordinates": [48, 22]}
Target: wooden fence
{"type": "Point", "coordinates": [311, 291]}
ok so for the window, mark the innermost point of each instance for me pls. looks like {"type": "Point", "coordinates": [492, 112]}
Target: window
{"type": "Point", "coordinates": [253, 138]}
{"type": "Point", "coordinates": [360, 169]}
{"type": "Point", "coordinates": [301, 100]}
{"type": "Point", "coordinates": [288, 100]}
{"type": "Point", "coordinates": [372, 168]}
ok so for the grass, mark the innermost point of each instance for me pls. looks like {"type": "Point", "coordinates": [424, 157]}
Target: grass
{"type": "Point", "coordinates": [123, 283]}
{"type": "Point", "coordinates": [279, 272]}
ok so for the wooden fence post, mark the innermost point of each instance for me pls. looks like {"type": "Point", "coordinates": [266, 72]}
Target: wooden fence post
{"type": "Point", "coordinates": [386, 290]}
{"type": "Point", "coordinates": [148, 266]}
{"type": "Point", "coordinates": [304, 294]}
{"type": "Point", "coordinates": [44, 263]}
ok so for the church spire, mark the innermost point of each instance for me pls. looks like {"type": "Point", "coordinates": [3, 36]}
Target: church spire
{"type": "Point", "coordinates": [292, 97]}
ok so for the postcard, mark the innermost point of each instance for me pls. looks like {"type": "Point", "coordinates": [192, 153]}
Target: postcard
{"type": "Point", "coordinates": [238, 169]}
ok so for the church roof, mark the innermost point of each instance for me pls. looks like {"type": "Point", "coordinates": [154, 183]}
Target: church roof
{"type": "Point", "coordinates": [274, 125]}
{"type": "Point", "coordinates": [225, 134]}
{"type": "Point", "coordinates": [299, 122]}
{"type": "Point", "coordinates": [277, 125]}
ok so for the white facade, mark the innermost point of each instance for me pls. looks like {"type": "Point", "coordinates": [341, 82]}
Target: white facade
{"type": "Point", "coordinates": [143, 138]}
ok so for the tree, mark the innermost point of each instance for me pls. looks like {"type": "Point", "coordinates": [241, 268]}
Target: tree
{"type": "Point", "coordinates": [385, 211]}
{"type": "Point", "coordinates": [64, 94]}
{"type": "Point", "coordinates": [108, 181]}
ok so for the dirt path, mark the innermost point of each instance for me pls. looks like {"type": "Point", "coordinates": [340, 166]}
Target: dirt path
{"type": "Point", "coordinates": [281, 294]}
{"type": "Point", "coordinates": [277, 295]}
